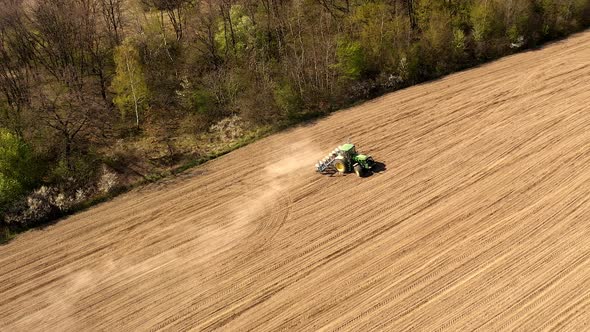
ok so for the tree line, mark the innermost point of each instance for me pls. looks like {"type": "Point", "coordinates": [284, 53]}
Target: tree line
{"type": "Point", "coordinates": [78, 75]}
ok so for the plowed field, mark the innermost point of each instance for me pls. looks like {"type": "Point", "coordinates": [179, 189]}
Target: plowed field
{"type": "Point", "coordinates": [480, 219]}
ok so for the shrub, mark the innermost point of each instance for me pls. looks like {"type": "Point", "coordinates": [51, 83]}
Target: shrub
{"type": "Point", "coordinates": [228, 129]}
{"type": "Point", "coordinates": [82, 171]}
{"type": "Point", "coordinates": [39, 205]}
{"type": "Point", "coordinates": [202, 102]}
{"type": "Point", "coordinates": [45, 203]}
{"type": "Point", "coordinates": [288, 101]}
{"type": "Point", "coordinates": [107, 181]}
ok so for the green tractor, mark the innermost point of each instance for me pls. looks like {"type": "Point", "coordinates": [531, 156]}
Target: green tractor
{"type": "Point", "coordinates": [345, 159]}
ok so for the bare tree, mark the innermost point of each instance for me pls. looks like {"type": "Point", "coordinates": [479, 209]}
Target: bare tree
{"type": "Point", "coordinates": [228, 24]}
{"type": "Point", "coordinates": [176, 12]}
{"type": "Point", "coordinates": [62, 42]}
{"type": "Point", "coordinates": [14, 69]}
{"type": "Point", "coordinates": [71, 114]}
{"type": "Point", "coordinates": [310, 59]}
{"type": "Point", "coordinates": [205, 27]}
{"type": "Point", "coordinates": [113, 16]}
{"type": "Point", "coordinates": [336, 8]}
{"type": "Point", "coordinates": [412, 14]}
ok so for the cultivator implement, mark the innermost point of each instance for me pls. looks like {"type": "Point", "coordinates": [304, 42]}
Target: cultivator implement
{"type": "Point", "coordinates": [326, 165]}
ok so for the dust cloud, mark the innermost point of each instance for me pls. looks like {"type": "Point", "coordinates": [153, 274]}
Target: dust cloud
{"type": "Point", "coordinates": [278, 178]}
{"type": "Point", "coordinates": [60, 302]}
{"type": "Point", "coordinates": [255, 207]}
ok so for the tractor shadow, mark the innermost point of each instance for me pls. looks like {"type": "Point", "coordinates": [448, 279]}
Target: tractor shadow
{"type": "Point", "coordinates": [379, 167]}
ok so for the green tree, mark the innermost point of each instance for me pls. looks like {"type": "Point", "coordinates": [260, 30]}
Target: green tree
{"type": "Point", "coordinates": [375, 28]}
{"type": "Point", "coordinates": [18, 169]}
{"type": "Point", "coordinates": [236, 31]}
{"type": "Point", "coordinates": [287, 100]}
{"type": "Point", "coordinates": [131, 92]}
{"type": "Point", "coordinates": [485, 20]}
{"type": "Point", "coordinates": [351, 59]}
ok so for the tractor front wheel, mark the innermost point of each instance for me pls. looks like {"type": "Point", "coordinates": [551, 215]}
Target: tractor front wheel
{"type": "Point", "coordinates": [358, 170]}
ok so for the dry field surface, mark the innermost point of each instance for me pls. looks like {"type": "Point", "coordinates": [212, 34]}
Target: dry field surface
{"type": "Point", "coordinates": [479, 221]}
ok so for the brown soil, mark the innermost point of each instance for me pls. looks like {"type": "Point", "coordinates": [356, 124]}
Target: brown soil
{"type": "Point", "coordinates": [479, 221]}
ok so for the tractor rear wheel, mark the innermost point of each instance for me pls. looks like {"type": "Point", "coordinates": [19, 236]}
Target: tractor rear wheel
{"type": "Point", "coordinates": [340, 166]}
{"type": "Point", "coordinates": [358, 169]}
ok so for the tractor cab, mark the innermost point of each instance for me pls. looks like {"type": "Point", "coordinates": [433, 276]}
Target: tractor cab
{"type": "Point", "coordinates": [347, 149]}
